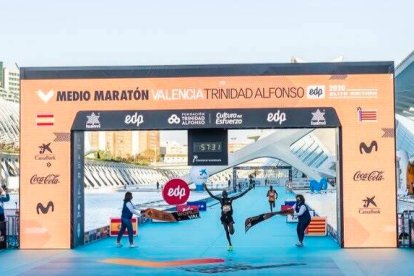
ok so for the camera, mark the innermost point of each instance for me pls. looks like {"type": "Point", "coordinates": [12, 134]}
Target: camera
{"type": "Point", "coordinates": [4, 187]}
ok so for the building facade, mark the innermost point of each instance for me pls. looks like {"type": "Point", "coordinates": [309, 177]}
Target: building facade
{"type": "Point", "coordinates": [9, 84]}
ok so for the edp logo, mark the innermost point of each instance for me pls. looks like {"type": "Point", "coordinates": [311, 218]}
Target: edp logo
{"type": "Point", "coordinates": [315, 92]}
{"type": "Point", "coordinates": [135, 119]}
{"type": "Point", "coordinates": [176, 192]}
{"type": "Point", "coordinates": [277, 117]}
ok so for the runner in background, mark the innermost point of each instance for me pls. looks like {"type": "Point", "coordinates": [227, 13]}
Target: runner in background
{"type": "Point", "coordinates": [272, 196]}
{"type": "Point", "coordinates": [227, 211]}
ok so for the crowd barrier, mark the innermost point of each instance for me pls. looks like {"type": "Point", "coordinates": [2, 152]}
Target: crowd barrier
{"type": "Point", "coordinates": [406, 229]}
{"type": "Point", "coordinates": [9, 231]}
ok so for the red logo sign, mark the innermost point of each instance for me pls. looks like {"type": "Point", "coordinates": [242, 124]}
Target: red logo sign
{"type": "Point", "coordinates": [176, 192]}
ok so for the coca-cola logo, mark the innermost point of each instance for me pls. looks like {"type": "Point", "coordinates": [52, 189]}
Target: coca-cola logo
{"type": "Point", "coordinates": [49, 179]}
{"type": "Point", "coordinates": [176, 192]}
{"type": "Point", "coordinates": [369, 176]}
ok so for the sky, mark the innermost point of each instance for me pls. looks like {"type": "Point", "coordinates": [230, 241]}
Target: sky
{"type": "Point", "coordinates": [164, 32]}
{"type": "Point", "coordinates": [100, 32]}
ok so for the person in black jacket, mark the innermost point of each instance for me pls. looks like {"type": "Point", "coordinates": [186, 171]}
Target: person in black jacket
{"type": "Point", "coordinates": [301, 210]}
{"type": "Point", "coordinates": [128, 210]}
{"type": "Point", "coordinates": [227, 211]}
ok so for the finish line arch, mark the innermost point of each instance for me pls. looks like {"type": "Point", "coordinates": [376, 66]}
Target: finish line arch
{"type": "Point", "coordinates": [58, 101]}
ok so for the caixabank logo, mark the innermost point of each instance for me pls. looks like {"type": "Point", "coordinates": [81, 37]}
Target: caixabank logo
{"type": "Point", "coordinates": [45, 153]}
{"type": "Point", "coordinates": [369, 206]}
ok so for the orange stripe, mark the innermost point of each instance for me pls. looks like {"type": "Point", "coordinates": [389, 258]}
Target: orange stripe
{"type": "Point", "coordinates": [155, 264]}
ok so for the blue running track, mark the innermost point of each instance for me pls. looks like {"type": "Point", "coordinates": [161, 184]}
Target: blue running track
{"type": "Point", "coordinates": [165, 248]}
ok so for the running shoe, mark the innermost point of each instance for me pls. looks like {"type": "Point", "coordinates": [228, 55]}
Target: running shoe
{"type": "Point", "coordinates": [299, 244]}
{"type": "Point", "coordinates": [132, 246]}
{"type": "Point", "coordinates": [230, 248]}
{"type": "Point", "coordinates": [118, 244]}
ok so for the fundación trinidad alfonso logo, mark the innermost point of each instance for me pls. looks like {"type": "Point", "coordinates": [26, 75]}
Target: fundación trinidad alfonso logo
{"type": "Point", "coordinates": [366, 115]}
{"type": "Point", "coordinates": [45, 119]}
{"type": "Point", "coordinates": [45, 96]}
{"type": "Point", "coordinates": [318, 118]}
{"type": "Point", "coordinates": [174, 119]}
{"type": "Point", "coordinates": [369, 207]}
{"type": "Point", "coordinates": [93, 121]}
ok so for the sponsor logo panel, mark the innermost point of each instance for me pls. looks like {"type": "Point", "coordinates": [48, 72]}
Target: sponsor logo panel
{"type": "Point", "coordinates": [318, 118]}
{"type": "Point", "coordinates": [93, 121]}
{"type": "Point", "coordinates": [45, 180]}
{"type": "Point", "coordinates": [276, 117]}
{"type": "Point", "coordinates": [176, 192]}
{"type": "Point", "coordinates": [134, 119]}
{"type": "Point", "coordinates": [369, 176]}
{"type": "Point", "coordinates": [40, 208]}
{"type": "Point", "coordinates": [45, 152]}
{"type": "Point", "coordinates": [229, 118]}
{"type": "Point", "coordinates": [315, 92]}
{"type": "Point", "coordinates": [364, 148]}
{"type": "Point", "coordinates": [369, 206]}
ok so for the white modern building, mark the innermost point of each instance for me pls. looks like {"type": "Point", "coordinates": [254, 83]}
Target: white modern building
{"type": "Point", "coordinates": [9, 84]}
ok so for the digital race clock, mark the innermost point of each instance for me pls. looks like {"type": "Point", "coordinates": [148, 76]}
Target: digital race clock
{"type": "Point", "coordinates": [207, 147]}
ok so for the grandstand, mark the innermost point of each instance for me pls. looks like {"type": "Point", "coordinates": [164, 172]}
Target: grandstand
{"type": "Point", "coordinates": [115, 175]}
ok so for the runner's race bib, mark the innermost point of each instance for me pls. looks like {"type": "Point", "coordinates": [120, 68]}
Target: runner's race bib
{"type": "Point", "coordinates": [226, 208]}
